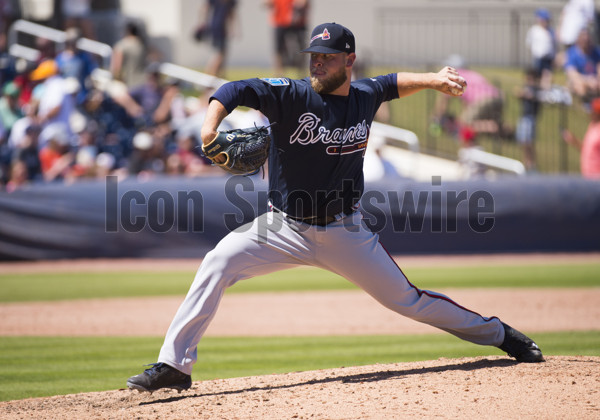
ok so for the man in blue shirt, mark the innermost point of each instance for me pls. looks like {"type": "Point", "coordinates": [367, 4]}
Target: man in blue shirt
{"type": "Point", "coordinates": [581, 67]}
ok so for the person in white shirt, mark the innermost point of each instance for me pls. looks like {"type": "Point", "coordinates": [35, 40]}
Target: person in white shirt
{"type": "Point", "coordinates": [56, 103]}
{"type": "Point", "coordinates": [541, 42]}
{"type": "Point", "coordinates": [575, 16]}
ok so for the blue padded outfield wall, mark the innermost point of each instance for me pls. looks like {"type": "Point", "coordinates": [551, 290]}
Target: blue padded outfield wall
{"type": "Point", "coordinates": [183, 217]}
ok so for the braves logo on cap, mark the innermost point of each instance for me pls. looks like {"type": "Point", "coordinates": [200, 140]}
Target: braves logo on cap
{"type": "Point", "coordinates": [325, 36]}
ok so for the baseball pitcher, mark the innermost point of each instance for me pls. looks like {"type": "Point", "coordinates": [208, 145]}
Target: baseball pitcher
{"type": "Point", "coordinates": [319, 132]}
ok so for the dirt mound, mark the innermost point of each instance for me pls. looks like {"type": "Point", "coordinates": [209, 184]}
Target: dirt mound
{"type": "Point", "coordinates": [484, 388]}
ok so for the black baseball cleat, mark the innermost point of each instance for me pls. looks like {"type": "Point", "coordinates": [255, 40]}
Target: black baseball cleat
{"type": "Point", "coordinates": [160, 375]}
{"type": "Point", "coordinates": [519, 346]}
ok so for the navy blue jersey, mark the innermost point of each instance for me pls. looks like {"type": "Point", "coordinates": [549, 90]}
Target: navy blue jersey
{"type": "Point", "coordinates": [316, 157]}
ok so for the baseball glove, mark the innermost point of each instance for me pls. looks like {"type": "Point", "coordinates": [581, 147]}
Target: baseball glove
{"type": "Point", "coordinates": [245, 150]}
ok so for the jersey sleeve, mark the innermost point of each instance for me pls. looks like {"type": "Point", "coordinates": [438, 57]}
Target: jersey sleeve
{"type": "Point", "coordinates": [264, 95]}
{"type": "Point", "coordinates": [384, 87]}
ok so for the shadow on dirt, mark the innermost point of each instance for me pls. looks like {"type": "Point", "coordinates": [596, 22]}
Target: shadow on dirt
{"type": "Point", "coordinates": [363, 377]}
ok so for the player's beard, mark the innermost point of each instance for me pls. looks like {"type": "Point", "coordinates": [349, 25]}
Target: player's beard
{"type": "Point", "coordinates": [324, 86]}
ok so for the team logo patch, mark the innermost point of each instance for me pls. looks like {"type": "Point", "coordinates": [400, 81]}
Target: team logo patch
{"type": "Point", "coordinates": [276, 81]}
{"type": "Point", "coordinates": [324, 36]}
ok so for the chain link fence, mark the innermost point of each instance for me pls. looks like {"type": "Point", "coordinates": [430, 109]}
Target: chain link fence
{"type": "Point", "coordinates": [491, 40]}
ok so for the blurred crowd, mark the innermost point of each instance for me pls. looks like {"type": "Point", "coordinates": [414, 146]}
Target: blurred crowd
{"type": "Point", "coordinates": [63, 118]}
{"type": "Point", "coordinates": [568, 44]}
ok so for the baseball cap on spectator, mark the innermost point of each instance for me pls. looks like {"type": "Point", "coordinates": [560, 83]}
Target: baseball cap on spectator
{"type": "Point", "coordinates": [331, 38]}
{"type": "Point", "coordinates": [543, 14]}
{"type": "Point", "coordinates": [44, 70]}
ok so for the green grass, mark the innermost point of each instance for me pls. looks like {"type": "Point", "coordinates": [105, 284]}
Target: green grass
{"type": "Point", "coordinates": [64, 286]}
{"type": "Point", "coordinates": [44, 366]}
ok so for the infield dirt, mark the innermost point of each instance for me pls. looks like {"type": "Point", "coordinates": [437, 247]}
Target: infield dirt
{"type": "Point", "coordinates": [473, 388]}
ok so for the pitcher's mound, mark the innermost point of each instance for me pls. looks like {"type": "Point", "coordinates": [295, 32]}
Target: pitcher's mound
{"type": "Point", "coordinates": [485, 388]}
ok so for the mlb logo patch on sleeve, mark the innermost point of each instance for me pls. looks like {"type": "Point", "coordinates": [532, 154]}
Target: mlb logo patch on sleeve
{"type": "Point", "coordinates": [276, 81]}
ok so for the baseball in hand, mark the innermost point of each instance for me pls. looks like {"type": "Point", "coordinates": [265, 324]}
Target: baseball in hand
{"type": "Point", "coordinates": [462, 85]}
{"type": "Point", "coordinates": [457, 91]}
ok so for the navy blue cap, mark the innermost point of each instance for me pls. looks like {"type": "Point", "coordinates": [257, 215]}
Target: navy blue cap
{"type": "Point", "coordinates": [331, 38]}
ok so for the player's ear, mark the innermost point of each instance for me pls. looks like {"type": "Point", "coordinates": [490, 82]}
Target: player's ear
{"type": "Point", "coordinates": [350, 59]}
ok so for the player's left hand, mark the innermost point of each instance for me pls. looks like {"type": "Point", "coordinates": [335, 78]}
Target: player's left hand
{"type": "Point", "coordinates": [450, 82]}
{"type": "Point", "coordinates": [239, 151]}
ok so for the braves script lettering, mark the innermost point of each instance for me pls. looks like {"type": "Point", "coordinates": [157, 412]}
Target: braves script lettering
{"type": "Point", "coordinates": [309, 132]}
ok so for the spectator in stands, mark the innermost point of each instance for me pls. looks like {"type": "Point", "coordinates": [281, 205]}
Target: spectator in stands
{"type": "Point", "coordinates": [9, 12]}
{"type": "Point", "coordinates": [7, 62]}
{"type": "Point", "coordinates": [10, 111]}
{"type": "Point", "coordinates": [174, 165]}
{"type": "Point", "coordinates": [376, 166]}
{"type": "Point", "coordinates": [105, 163]}
{"type": "Point", "coordinates": [195, 110]}
{"type": "Point", "coordinates": [56, 103]}
{"type": "Point", "coordinates": [18, 176]}
{"type": "Point", "coordinates": [218, 18]}
{"type": "Point", "coordinates": [21, 79]}
{"type": "Point", "coordinates": [56, 156]}
{"type": "Point", "coordinates": [289, 19]}
{"type": "Point", "coordinates": [85, 158]}
{"type": "Point", "coordinates": [75, 63]}
{"type": "Point", "coordinates": [576, 15]}
{"type": "Point", "coordinates": [526, 126]}
{"type": "Point", "coordinates": [188, 158]}
{"type": "Point", "coordinates": [5, 160]}
{"type": "Point", "coordinates": [581, 67]}
{"type": "Point", "coordinates": [149, 103]}
{"type": "Point", "coordinates": [46, 48]}
{"type": "Point", "coordinates": [27, 152]}
{"type": "Point", "coordinates": [19, 128]}
{"type": "Point", "coordinates": [114, 127]}
{"type": "Point", "coordinates": [128, 60]}
{"type": "Point", "coordinates": [77, 14]}
{"type": "Point", "coordinates": [147, 158]}
{"type": "Point", "coordinates": [542, 44]}
{"type": "Point", "coordinates": [482, 105]}
{"type": "Point", "coordinates": [590, 146]}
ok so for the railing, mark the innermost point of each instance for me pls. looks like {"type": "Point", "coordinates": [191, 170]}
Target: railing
{"type": "Point", "coordinates": [468, 157]}
{"type": "Point", "coordinates": [190, 76]}
{"type": "Point", "coordinates": [476, 158]}
{"type": "Point", "coordinates": [397, 134]}
{"type": "Point", "coordinates": [21, 51]}
{"type": "Point", "coordinates": [104, 51]}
